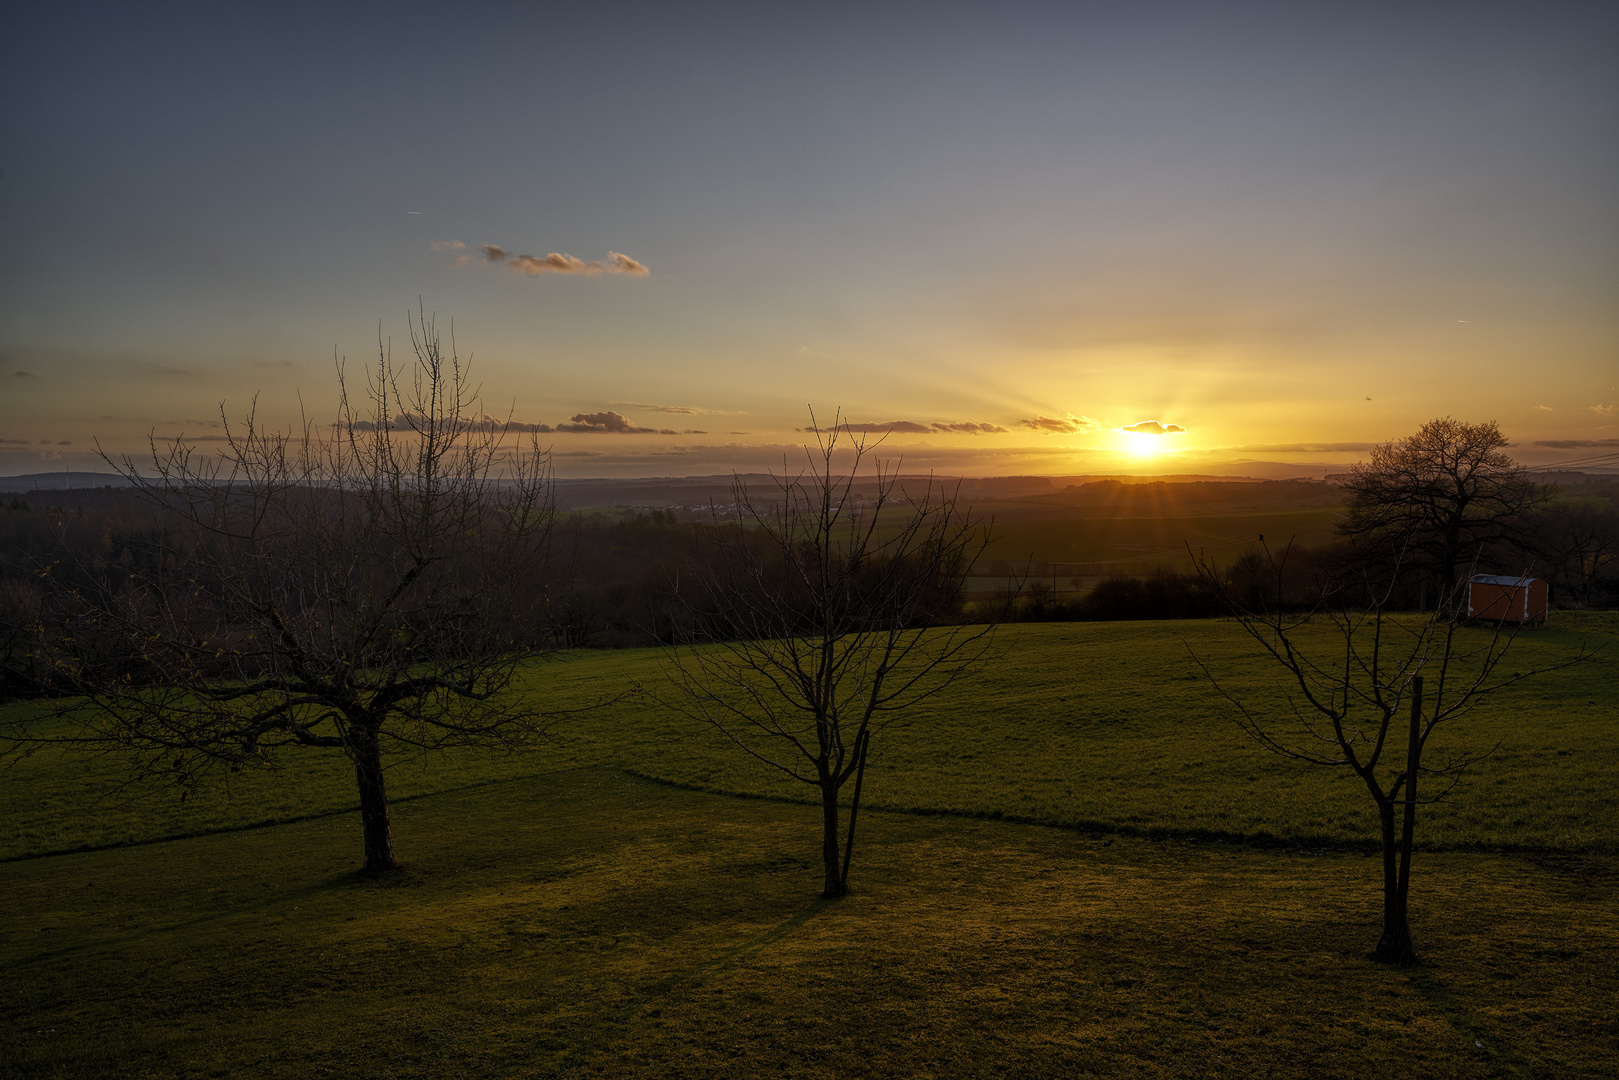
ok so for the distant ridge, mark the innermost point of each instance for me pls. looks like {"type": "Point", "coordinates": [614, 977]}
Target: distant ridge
{"type": "Point", "coordinates": [61, 481]}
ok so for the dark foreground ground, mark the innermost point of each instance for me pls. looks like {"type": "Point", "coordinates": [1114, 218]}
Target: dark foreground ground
{"type": "Point", "coordinates": [589, 922]}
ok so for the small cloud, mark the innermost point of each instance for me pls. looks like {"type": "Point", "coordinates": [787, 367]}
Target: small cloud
{"type": "Point", "coordinates": [1065, 425]}
{"type": "Point", "coordinates": [555, 262]}
{"type": "Point", "coordinates": [606, 423]}
{"type": "Point", "coordinates": [1545, 408]}
{"type": "Point", "coordinates": [693, 431]}
{"type": "Point", "coordinates": [64, 442]}
{"type": "Point", "coordinates": [968, 427]}
{"type": "Point", "coordinates": [619, 263]}
{"type": "Point", "coordinates": [1152, 427]}
{"type": "Point", "coordinates": [1606, 410]}
{"type": "Point", "coordinates": [484, 423]}
{"type": "Point", "coordinates": [1576, 444]}
{"type": "Point", "coordinates": [23, 375]}
{"type": "Point", "coordinates": [519, 427]}
{"type": "Point", "coordinates": [14, 442]}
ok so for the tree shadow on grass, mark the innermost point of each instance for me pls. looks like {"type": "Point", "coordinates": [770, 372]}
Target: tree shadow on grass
{"type": "Point", "coordinates": [610, 1025]}
{"type": "Point", "coordinates": [1485, 1045]}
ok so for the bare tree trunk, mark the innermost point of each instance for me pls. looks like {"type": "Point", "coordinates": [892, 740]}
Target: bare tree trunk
{"type": "Point", "coordinates": [1394, 946]}
{"type": "Point", "coordinates": [836, 883]}
{"type": "Point", "coordinates": [379, 842]}
{"type": "Point", "coordinates": [1405, 951]}
{"type": "Point", "coordinates": [854, 805]}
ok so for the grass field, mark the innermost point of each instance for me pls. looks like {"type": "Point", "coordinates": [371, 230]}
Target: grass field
{"type": "Point", "coordinates": [609, 906]}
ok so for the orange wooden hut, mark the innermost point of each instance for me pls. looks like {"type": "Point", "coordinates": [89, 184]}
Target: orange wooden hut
{"type": "Point", "coordinates": [1497, 598]}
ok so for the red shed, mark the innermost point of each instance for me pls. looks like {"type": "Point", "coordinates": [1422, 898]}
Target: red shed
{"type": "Point", "coordinates": [1506, 599]}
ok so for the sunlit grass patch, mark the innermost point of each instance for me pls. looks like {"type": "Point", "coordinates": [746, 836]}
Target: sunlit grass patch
{"type": "Point", "coordinates": [1112, 727]}
{"type": "Point", "coordinates": [586, 923]}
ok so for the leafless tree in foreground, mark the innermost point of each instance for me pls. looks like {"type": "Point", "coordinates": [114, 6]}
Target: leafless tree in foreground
{"type": "Point", "coordinates": [1354, 672]}
{"type": "Point", "coordinates": [817, 619]}
{"type": "Point", "coordinates": [366, 590]}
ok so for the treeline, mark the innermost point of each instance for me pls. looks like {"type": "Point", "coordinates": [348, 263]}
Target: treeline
{"type": "Point", "coordinates": [618, 583]}
{"type": "Point", "coordinates": [1573, 544]}
{"type": "Point", "coordinates": [608, 583]}
{"type": "Point", "coordinates": [45, 548]}
{"type": "Point", "coordinates": [1295, 578]}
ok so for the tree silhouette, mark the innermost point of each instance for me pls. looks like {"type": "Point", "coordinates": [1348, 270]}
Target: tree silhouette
{"type": "Point", "coordinates": [1367, 690]}
{"type": "Point", "coordinates": [1437, 497]}
{"type": "Point", "coordinates": [817, 619]}
{"type": "Point", "coordinates": [364, 590]}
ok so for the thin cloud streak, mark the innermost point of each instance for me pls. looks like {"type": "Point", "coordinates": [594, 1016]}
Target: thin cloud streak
{"type": "Point", "coordinates": [1303, 448]}
{"type": "Point", "coordinates": [911, 427]}
{"type": "Point", "coordinates": [1061, 425]}
{"type": "Point", "coordinates": [680, 409]}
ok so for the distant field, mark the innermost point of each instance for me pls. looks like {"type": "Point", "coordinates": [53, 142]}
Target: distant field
{"type": "Point", "coordinates": [583, 911]}
{"type": "Point", "coordinates": [1094, 547]}
{"type": "Point", "coordinates": [1131, 528]}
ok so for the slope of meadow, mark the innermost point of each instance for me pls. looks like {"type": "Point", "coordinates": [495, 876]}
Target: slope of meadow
{"type": "Point", "coordinates": [1104, 726]}
{"type": "Point", "coordinates": [584, 912]}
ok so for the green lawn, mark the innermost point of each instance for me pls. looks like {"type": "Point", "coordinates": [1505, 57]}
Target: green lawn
{"type": "Point", "coordinates": [583, 911]}
{"type": "Point", "coordinates": [1106, 726]}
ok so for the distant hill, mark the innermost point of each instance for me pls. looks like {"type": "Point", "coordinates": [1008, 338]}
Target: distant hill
{"type": "Point", "coordinates": [61, 481]}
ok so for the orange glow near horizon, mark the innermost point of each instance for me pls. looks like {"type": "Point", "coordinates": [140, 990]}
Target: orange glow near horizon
{"type": "Point", "coordinates": [1140, 445]}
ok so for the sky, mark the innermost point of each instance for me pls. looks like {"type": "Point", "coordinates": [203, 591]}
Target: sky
{"type": "Point", "coordinates": [1005, 238]}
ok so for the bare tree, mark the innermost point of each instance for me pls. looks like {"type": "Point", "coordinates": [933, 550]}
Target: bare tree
{"type": "Point", "coordinates": [817, 620]}
{"type": "Point", "coordinates": [1437, 497]}
{"type": "Point", "coordinates": [1367, 692]}
{"type": "Point", "coordinates": [366, 589]}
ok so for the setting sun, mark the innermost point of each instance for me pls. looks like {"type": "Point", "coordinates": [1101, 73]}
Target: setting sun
{"type": "Point", "coordinates": [1143, 445]}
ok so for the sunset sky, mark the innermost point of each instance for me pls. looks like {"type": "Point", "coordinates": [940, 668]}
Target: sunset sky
{"type": "Point", "coordinates": [1253, 232]}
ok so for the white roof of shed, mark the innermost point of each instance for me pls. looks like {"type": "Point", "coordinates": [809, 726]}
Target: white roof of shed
{"type": "Point", "coordinates": [1498, 579]}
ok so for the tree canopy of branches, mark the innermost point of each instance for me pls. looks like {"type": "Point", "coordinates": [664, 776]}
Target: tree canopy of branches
{"type": "Point", "coordinates": [365, 589]}
{"type": "Point", "coordinates": [816, 620]}
{"type": "Point", "coordinates": [1366, 693]}
{"type": "Point", "coordinates": [1436, 497]}
{"type": "Point", "coordinates": [1578, 543]}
